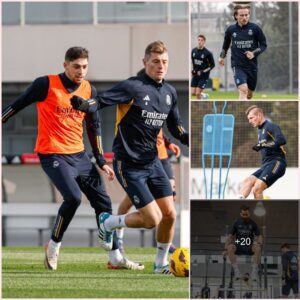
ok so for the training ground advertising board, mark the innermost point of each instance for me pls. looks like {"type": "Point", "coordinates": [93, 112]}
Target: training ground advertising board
{"type": "Point", "coordinates": [285, 187]}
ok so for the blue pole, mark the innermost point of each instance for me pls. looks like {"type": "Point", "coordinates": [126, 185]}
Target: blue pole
{"type": "Point", "coordinates": [205, 182]}
{"type": "Point", "coordinates": [221, 153]}
{"type": "Point", "coordinates": [230, 158]}
{"type": "Point", "coordinates": [221, 158]}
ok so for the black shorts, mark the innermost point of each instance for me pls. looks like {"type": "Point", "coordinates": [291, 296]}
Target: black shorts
{"type": "Point", "coordinates": [290, 285]}
{"type": "Point", "coordinates": [199, 82]}
{"type": "Point", "coordinates": [166, 163]}
{"type": "Point", "coordinates": [271, 171]}
{"type": "Point", "coordinates": [243, 250]}
{"type": "Point", "coordinates": [143, 184]}
{"type": "Point", "coordinates": [242, 76]}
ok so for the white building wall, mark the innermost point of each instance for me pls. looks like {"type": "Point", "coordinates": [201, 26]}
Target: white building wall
{"type": "Point", "coordinates": [116, 51]}
{"type": "Point", "coordinates": [287, 187]}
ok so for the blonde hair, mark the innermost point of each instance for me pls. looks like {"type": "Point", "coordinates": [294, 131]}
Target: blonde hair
{"type": "Point", "coordinates": [256, 110]}
{"type": "Point", "coordinates": [155, 47]}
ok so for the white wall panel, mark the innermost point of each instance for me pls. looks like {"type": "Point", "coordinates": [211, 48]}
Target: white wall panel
{"type": "Point", "coordinates": [116, 51]}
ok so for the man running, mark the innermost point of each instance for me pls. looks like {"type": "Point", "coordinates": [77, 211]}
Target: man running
{"type": "Point", "coordinates": [202, 63]}
{"type": "Point", "coordinates": [144, 103]}
{"type": "Point", "coordinates": [247, 42]}
{"type": "Point", "coordinates": [61, 149]}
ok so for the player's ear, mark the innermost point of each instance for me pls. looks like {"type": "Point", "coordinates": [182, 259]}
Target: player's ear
{"type": "Point", "coordinates": [144, 62]}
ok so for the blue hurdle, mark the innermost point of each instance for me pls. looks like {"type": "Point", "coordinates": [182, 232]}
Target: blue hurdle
{"type": "Point", "coordinates": [217, 140]}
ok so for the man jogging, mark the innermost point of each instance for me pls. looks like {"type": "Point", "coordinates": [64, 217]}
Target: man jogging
{"type": "Point", "coordinates": [247, 42]}
{"type": "Point", "coordinates": [144, 104]}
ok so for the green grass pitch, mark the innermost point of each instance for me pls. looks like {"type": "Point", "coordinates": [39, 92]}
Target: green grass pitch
{"type": "Point", "coordinates": [214, 95]}
{"type": "Point", "coordinates": [82, 273]}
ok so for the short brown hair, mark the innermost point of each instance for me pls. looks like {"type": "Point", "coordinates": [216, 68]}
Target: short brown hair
{"type": "Point", "coordinates": [155, 47]}
{"type": "Point", "coordinates": [244, 207]}
{"type": "Point", "coordinates": [255, 108]}
{"type": "Point", "coordinates": [202, 36]}
{"type": "Point", "coordinates": [240, 6]}
{"type": "Point", "coordinates": [74, 53]}
{"type": "Point", "coordinates": [285, 245]}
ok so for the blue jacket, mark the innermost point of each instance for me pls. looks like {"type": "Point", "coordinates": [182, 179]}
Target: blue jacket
{"type": "Point", "coordinates": [143, 107]}
{"type": "Point", "coordinates": [271, 134]}
{"type": "Point", "coordinates": [289, 265]}
{"type": "Point", "coordinates": [244, 38]}
{"type": "Point", "coordinates": [202, 59]}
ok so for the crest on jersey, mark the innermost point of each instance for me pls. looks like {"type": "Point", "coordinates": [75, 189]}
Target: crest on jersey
{"type": "Point", "coordinates": [250, 32]}
{"type": "Point", "coordinates": [234, 34]}
{"type": "Point", "coordinates": [55, 164]}
{"type": "Point", "coordinates": [202, 56]}
{"type": "Point", "coordinates": [263, 131]}
{"type": "Point", "coordinates": [194, 54]}
{"type": "Point", "coordinates": [168, 100]}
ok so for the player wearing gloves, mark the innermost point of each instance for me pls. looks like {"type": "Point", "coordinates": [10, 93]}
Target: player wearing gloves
{"type": "Point", "coordinates": [61, 149]}
{"type": "Point", "coordinates": [145, 103]}
{"type": "Point", "coordinates": [270, 145]}
{"type": "Point", "coordinates": [202, 63]}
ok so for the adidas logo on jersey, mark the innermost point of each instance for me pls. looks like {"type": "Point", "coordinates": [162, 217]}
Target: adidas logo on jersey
{"type": "Point", "coordinates": [146, 98]}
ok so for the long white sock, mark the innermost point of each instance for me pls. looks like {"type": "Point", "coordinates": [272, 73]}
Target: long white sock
{"type": "Point", "coordinates": [162, 250]}
{"type": "Point", "coordinates": [242, 95]}
{"type": "Point", "coordinates": [114, 222]}
{"type": "Point", "coordinates": [115, 256]}
{"type": "Point", "coordinates": [254, 267]}
{"type": "Point", "coordinates": [120, 233]}
{"type": "Point", "coordinates": [52, 244]}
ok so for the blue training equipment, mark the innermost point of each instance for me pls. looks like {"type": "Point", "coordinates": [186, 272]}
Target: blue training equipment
{"type": "Point", "coordinates": [217, 140]}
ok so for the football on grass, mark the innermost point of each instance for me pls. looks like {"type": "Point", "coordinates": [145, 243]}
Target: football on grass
{"type": "Point", "coordinates": [179, 263]}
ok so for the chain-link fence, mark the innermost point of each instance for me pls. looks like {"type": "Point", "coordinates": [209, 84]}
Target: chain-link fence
{"type": "Point", "coordinates": [285, 114]}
